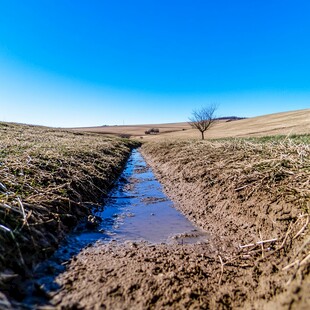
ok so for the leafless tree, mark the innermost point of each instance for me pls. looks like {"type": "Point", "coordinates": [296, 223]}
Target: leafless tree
{"type": "Point", "coordinates": [203, 118]}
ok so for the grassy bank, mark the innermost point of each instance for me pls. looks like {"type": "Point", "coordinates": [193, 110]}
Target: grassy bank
{"type": "Point", "coordinates": [47, 178]}
{"type": "Point", "coordinates": [253, 196]}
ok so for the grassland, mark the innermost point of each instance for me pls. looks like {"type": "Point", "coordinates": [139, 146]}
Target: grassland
{"type": "Point", "coordinates": [134, 130]}
{"type": "Point", "coordinates": [48, 177]}
{"type": "Point", "coordinates": [253, 196]}
{"type": "Point", "coordinates": [248, 186]}
{"type": "Point", "coordinates": [285, 123]}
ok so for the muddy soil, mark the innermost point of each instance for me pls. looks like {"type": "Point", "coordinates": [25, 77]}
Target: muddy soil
{"type": "Point", "coordinates": [254, 202]}
{"type": "Point", "coordinates": [141, 276]}
{"type": "Point", "coordinates": [49, 181]}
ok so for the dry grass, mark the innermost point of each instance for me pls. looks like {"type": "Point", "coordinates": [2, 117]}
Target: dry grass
{"type": "Point", "coordinates": [253, 196]}
{"type": "Point", "coordinates": [135, 130]}
{"type": "Point", "coordinates": [242, 191]}
{"type": "Point", "coordinates": [278, 167]}
{"type": "Point", "coordinates": [285, 123]}
{"type": "Point", "coordinates": [47, 176]}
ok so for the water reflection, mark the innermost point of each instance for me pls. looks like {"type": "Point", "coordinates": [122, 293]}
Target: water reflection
{"type": "Point", "coordinates": [136, 210]}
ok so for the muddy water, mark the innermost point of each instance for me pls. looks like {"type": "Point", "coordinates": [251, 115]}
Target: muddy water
{"type": "Point", "coordinates": [136, 210]}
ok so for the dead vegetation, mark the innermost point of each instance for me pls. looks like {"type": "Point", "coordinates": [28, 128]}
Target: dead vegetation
{"type": "Point", "coordinates": [284, 123]}
{"type": "Point", "coordinates": [253, 196]}
{"type": "Point", "coordinates": [47, 178]}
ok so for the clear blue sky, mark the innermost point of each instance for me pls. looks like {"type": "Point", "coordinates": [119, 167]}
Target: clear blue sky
{"type": "Point", "coordinates": [78, 63]}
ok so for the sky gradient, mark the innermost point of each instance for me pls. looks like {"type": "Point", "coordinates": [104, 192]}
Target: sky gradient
{"type": "Point", "coordinates": [89, 63]}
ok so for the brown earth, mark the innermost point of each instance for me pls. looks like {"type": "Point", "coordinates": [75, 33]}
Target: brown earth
{"type": "Point", "coordinates": [252, 197]}
{"type": "Point", "coordinates": [48, 180]}
{"type": "Point", "coordinates": [285, 123]}
{"type": "Point", "coordinates": [135, 130]}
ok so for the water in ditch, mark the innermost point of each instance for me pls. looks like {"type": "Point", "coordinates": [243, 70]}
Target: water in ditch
{"type": "Point", "coordinates": [136, 210]}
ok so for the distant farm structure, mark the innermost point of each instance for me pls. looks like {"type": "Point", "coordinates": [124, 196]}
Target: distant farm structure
{"type": "Point", "coordinates": [152, 131]}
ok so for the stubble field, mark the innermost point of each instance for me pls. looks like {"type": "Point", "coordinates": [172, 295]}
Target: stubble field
{"type": "Point", "coordinates": [47, 179]}
{"type": "Point", "coordinates": [251, 195]}
{"type": "Point", "coordinates": [285, 123]}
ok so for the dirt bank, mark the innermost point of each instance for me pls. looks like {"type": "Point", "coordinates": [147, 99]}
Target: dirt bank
{"type": "Point", "coordinates": [244, 193]}
{"type": "Point", "coordinates": [48, 178]}
{"type": "Point", "coordinates": [253, 197]}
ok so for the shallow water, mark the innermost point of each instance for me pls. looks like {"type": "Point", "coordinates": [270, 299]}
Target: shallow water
{"type": "Point", "coordinates": [136, 210]}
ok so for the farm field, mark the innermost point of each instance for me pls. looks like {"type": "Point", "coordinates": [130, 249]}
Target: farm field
{"type": "Point", "coordinates": [48, 178]}
{"type": "Point", "coordinates": [285, 123]}
{"type": "Point", "coordinates": [154, 155]}
{"type": "Point", "coordinates": [252, 196]}
{"type": "Point", "coordinates": [249, 190]}
{"type": "Point", "coordinates": [135, 130]}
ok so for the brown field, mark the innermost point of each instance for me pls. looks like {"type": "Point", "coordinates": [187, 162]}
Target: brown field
{"type": "Point", "coordinates": [47, 179]}
{"type": "Point", "coordinates": [251, 195]}
{"type": "Point", "coordinates": [135, 130]}
{"type": "Point", "coordinates": [245, 192]}
{"type": "Point", "coordinates": [285, 123]}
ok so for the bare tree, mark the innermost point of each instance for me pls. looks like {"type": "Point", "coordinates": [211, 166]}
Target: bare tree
{"type": "Point", "coordinates": [203, 118]}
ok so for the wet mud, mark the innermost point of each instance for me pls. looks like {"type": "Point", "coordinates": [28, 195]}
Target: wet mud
{"type": "Point", "coordinates": [252, 200]}
{"type": "Point", "coordinates": [136, 212]}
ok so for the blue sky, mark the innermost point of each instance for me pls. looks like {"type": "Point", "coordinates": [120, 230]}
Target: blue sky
{"type": "Point", "coordinates": [79, 63]}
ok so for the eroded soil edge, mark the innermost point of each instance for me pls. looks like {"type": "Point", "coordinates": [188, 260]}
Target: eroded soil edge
{"type": "Point", "coordinates": [49, 180]}
{"type": "Point", "coordinates": [244, 193]}
{"type": "Point", "coordinates": [251, 195]}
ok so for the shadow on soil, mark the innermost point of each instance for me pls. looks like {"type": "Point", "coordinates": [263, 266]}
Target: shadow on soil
{"type": "Point", "coordinates": [136, 210]}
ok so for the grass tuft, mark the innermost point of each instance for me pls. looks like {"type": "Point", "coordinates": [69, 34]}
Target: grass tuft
{"type": "Point", "coordinates": [46, 178]}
